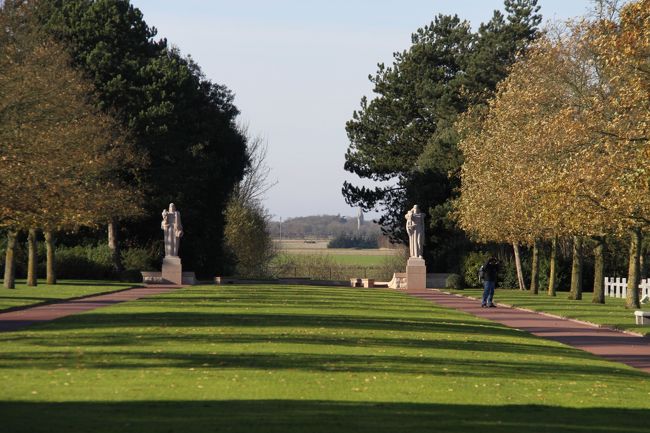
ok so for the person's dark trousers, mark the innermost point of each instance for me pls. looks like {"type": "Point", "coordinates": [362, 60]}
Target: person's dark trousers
{"type": "Point", "coordinates": [488, 292]}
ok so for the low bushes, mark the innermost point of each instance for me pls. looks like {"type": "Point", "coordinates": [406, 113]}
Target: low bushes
{"type": "Point", "coordinates": [85, 262]}
{"type": "Point", "coordinates": [347, 240]}
{"type": "Point", "coordinates": [91, 262]}
{"type": "Point", "coordinates": [454, 281]}
{"type": "Point", "coordinates": [471, 265]}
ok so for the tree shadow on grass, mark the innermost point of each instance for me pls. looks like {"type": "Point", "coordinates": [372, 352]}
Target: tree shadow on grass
{"type": "Point", "coordinates": [293, 416]}
{"type": "Point", "coordinates": [266, 304]}
{"type": "Point", "coordinates": [99, 320]}
{"type": "Point", "coordinates": [315, 362]}
{"type": "Point", "coordinates": [307, 341]}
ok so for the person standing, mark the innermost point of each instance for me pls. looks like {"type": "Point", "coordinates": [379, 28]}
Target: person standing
{"type": "Point", "coordinates": [490, 271]}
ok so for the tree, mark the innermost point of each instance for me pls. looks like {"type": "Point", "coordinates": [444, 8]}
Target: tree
{"type": "Point", "coordinates": [183, 122]}
{"type": "Point", "coordinates": [62, 157]}
{"type": "Point", "coordinates": [406, 135]}
{"type": "Point", "coordinates": [567, 132]}
{"type": "Point", "coordinates": [248, 238]}
{"type": "Point", "coordinates": [247, 231]}
{"type": "Point", "coordinates": [623, 42]}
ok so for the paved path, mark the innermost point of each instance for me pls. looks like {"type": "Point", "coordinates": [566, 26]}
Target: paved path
{"type": "Point", "coordinates": [14, 320]}
{"type": "Point", "coordinates": [613, 345]}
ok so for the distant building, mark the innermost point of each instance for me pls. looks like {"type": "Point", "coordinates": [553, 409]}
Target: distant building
{"type": "Point", "coordinates": [359, 219]}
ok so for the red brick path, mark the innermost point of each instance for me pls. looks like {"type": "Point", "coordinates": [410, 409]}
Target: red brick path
{"type": "Point", "coordinates": [14, 320]}
{"type": "Point", "coordinates": [610, 344]}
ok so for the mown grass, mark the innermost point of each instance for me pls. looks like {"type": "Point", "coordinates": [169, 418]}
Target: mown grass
{"type": "Point", "coordinates": [304, 359]}
{"type": "Point", "coordinates": [612, 314]}
{"type": "Point", "coordinates": [23, 295]}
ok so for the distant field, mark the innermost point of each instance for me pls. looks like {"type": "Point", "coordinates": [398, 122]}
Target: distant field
{"type": "Point", "coordinates": [320, 247]}
{"type": "Point", "coordinates": [346, 259]}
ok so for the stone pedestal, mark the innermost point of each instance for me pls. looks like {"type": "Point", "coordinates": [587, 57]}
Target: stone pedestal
{"type": "Point", "coordinates": [416, 274]}
{"type": "Point", "coordinates": [172, 270]}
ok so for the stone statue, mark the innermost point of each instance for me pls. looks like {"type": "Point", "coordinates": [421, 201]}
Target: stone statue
{"type": "Point", "coordinates": [173, 230]}
{"type": "Point", "coordinates": [415, 230]}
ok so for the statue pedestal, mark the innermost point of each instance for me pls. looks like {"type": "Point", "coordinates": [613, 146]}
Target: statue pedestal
{"type": "Point", "coordinates": [172, 270]}
{"type": "Point", "coordinates": [416, 274]}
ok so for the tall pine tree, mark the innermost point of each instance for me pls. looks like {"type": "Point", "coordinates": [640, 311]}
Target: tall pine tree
{"type": "Point", "coordinates": [405, 135]}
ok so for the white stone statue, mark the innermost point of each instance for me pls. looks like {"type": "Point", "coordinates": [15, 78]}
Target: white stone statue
{"type": "Point", "coordinates": [415, 230]}
{"type": "Point", "coordinates": [173, 230]}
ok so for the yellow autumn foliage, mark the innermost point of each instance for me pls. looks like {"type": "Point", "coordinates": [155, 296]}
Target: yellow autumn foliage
{"type": "Point", "coordinates": [563, 147]}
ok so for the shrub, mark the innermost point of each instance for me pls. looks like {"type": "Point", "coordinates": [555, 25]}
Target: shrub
{"type": "Point", "coordinates": [454, 281]}
{"type": "Point", "coordinates": [471, 265]}
{"type": "Point", "coordinates": [347, 240]}
{"type": "Point", "coordinates": [317, 267]}
{"type": "Point", "coordinates": [324, 267]}
{"type": "Point", "coordinates": [140, 259]}
{"type": "Point", "coordinates": [92, 262]}
{"type": "Point", "coordinates": [392, 264]}
{"type": "Point", "coordinates": [507, 278]}
{"type": "Point", "coordinates": [248, 239]}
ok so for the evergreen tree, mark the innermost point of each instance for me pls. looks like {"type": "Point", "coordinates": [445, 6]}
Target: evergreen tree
{"type": "Point", "coordinates": [406, 137]}
{"type": "Point", "coordinates": [184, 122]}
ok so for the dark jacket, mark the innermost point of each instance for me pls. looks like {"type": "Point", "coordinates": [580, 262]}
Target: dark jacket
{"type": "Point", "coordinates": [490, 271]}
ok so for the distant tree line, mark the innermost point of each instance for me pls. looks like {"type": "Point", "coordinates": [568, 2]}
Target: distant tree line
{"type": "Point", "coordinates": [322, 226]}
{"type": "Point", "coordinates": [349, 240]}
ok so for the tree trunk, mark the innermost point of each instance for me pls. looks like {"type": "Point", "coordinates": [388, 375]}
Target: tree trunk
{"type": "Point", "coordinates": [10, 262]}
{"type": "Point", "coordinates": [576, 270]}
{"type": "Point", "coordinates": [50, 262]}
{"type": "Point", "coordinates": [599, 266]}
{"type": "Point", "coordinates": [632, 300]}
{"type": "Point", "coordinates": [520, 275]}
{"type": "Point", "coordinates": [534, 272]}
{"type": "Point", "coordinates": [552, 278]}
{"type": "Point", "coordinates": [114, 246]}
{"type": "Point", "coordinates": [32, 258]}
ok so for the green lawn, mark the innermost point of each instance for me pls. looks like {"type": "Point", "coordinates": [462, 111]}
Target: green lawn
{"type": "Point", "coordinates": [304, 359]}
{"type": "Point", "coordinates": [359, 259]}
{"type": "Point", "coordinates": [612, 314]}
{"type": "Point", "coordinates": [23, 296]}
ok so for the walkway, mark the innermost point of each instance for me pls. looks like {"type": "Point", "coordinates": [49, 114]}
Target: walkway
{"type": "Point", "coordinates": [612, 345]}
{"type": "Point", "coordinates": [14, 320]}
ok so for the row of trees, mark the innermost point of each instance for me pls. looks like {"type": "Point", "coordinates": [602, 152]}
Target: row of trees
{"type": "Point", "coordinates": [562, 149]}
{"type": "Point", "coordinates": [322, 226]}
{"type": "Point", "coordinates": [65, 163]}
{"type": "Point", "coordinates": [103, 126]}
{"type": "Point", "coordinates": [406, 134]}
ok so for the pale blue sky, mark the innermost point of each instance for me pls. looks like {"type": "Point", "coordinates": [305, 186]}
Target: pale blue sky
{"type": "Point", "coordinates": [299, 68]}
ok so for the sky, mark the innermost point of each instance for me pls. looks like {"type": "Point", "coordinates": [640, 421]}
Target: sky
{"type": "Point", "coordinates": [298, 69]}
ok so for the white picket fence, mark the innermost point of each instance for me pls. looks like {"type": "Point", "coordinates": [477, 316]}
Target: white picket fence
{"type": "Point", "coordinates": [617, 287]}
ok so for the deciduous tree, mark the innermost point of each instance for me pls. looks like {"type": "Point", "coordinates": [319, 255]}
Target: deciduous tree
{"type": "Point", "coordinates": [64, 161]}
